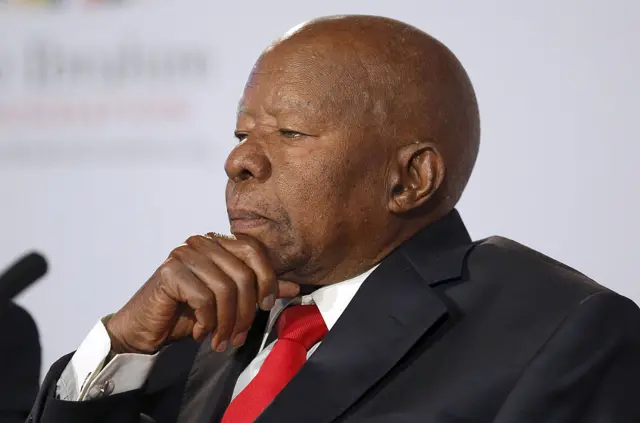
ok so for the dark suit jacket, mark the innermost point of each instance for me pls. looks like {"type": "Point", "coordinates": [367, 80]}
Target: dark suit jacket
{"type": "Point", "coordinates": [445, 330]}
{"type": "Point", "coordinates": [19, 364]}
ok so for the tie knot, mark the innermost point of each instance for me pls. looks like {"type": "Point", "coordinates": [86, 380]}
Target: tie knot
{"type": "Point", "coordinates": [303, 324]}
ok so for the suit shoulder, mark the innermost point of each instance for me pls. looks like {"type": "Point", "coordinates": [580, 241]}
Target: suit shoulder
{"type": "Point", "coordinates": [520, 268]}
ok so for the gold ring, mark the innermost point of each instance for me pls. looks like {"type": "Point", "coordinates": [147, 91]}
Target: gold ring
{"type": "Point", "coordinates": [218, 235]}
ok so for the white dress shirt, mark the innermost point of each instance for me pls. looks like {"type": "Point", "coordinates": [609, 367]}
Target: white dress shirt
{"type": "Point", "coordinates": [86, 377]}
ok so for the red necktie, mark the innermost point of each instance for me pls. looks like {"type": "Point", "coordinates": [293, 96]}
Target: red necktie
{"type": "Point", "coordinates": [299, 328]}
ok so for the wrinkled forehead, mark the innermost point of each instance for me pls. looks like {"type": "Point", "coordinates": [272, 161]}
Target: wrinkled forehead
{"type": "Point", "coordinates": [309, 79]}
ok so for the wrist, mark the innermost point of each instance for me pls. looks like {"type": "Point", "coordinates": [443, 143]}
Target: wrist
{"type": "Point", "coordinates": [118, 346]}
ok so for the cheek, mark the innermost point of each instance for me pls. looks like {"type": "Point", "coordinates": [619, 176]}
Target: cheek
{"type": "Point", "coordinates": [313, 191]}
{"type": "Point", "coordinates": [227, 190]}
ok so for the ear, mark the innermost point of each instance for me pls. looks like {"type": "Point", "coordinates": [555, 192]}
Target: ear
{"type": "Point", "coordinates": [418, 173]}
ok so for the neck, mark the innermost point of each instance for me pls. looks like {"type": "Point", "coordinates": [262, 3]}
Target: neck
{"type": "Point", "coordinates": [339, 272]}
{"type": "Point", "coordinates": [354, 259]}
{"type": "Point", "coordinates": [346, 258]}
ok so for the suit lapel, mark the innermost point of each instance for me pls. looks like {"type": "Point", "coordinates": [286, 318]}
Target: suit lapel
{"type": "Point", "coordinates": [213, 376]}
{"type": "Point", "coordinates": [394, 309]}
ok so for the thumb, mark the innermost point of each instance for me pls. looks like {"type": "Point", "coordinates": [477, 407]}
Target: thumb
{"type": "Point", "coordinates": [288, 289]}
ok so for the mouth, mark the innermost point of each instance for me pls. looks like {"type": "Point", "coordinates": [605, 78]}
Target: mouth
{"type": "Point", "coordinates": [242, 220]}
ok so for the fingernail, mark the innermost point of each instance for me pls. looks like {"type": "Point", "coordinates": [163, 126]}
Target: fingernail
{"type": "Point", "coordinates": [268, 302]}
{"type": "Point", "coordinates": [222, 347]}
{"type": "Point", "coordinates": [239, 339]}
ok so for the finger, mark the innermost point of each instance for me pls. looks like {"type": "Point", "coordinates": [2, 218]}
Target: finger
{"type": "Point", "coordinates": [288, 289]}
{"type": "Point", "coordinates": [186, 323]}
{"type": "Point", "coordinates": [253, 255]}
{"type": "Point", "coordinates": [184, 287]}
{"type": "Point", "coordinates": [241, 274]}
{"type": "Point", "coordinates": [224, 291]}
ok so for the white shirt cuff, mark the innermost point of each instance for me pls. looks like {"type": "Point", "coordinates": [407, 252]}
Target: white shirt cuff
{"type": "Point", "coordinates": [86, 377]}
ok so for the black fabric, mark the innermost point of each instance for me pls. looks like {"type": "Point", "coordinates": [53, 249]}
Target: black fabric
{"type": "Point", "coordinates": [20, 357]}
{"type": "Point", "coordinates": [445, 330]}
{"type": "Point", "coordinates": [161, 396]}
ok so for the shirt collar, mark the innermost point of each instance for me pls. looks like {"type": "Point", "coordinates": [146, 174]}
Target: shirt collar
{"type": "Point", "coordinates": [332, 300]}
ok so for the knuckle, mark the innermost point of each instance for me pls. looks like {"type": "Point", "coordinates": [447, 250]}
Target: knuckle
{"type": "Point", "coordinates": [186, 255]}
{"type": "Point", "coordinates": [194, 240]}
{"type": "Point", "coordinates": [203, 245]}
{"type": "Point", "coordinates": [267, 281]}
{"type": "Point", "coordinates": [253, 244]}
{"type": "Point", "coordinates": [247, 249]}
{"type": "Point", "coordinates": [180, 251]}
{"type": "Point", "coordinates": [205, 298]}
{"type": "Point", "coordinates": [169, 269]}
{"type": "Point", "coordinates": [246, 277]}
{"type": "Point", "coordinates": [226, 291]}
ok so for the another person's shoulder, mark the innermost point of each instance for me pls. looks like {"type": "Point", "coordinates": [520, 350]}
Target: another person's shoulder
{"type": "Point", "coordinates": [20, 349]}
{"type": "Point", "coordinates": [13, 315]}
{"type": "Point", "coordinates": [17, 327]}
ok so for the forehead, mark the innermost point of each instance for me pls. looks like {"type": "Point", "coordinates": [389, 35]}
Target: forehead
{"type": "Point", "coordinates": [302, 80]}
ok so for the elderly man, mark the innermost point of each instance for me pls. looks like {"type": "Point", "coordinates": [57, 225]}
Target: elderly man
{"type": "Point", "coordinates": [351, 290]}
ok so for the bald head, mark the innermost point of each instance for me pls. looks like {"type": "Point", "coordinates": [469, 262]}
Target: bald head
{"type": "Point", "coordinates": [354, 133]}
{"type": "Point", "coordinates": [404, 84]}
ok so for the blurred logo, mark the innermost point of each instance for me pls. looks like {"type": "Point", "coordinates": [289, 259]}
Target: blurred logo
{"type": "Point", "coordinates": [31, 2]}
{"type": "Point", "coordinates": [55, 3]}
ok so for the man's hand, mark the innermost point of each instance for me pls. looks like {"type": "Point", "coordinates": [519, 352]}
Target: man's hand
{"type": "Point", "coordinates": [209, 284]}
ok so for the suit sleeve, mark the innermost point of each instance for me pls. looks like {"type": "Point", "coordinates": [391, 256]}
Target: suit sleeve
{"type": "Point", "coordinates": [160, 397]}
{"type": "Point", "coordinates": [587, 372]}
{"type": "Point", "coordinates": [19, 364]}
{"type": "Point", "coordinates": [87, 374]}
{"type": "Point", "coordinates": [48, 408]}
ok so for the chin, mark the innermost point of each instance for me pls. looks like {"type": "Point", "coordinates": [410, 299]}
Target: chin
{"type": "Point", "coordinates": [284, 254]}
{"type": "Point", "coordinates": [288, 267]}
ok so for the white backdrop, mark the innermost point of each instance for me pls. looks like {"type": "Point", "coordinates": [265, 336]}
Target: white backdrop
{"type": "Point", "coordinates": [115, 121]}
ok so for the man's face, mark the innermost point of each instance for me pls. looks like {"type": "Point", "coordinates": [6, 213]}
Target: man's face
{"type": "Point", "coordinates": [305, 178]}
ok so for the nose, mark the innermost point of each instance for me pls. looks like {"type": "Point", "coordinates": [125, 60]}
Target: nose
{"type": "Point", "coordinates": [247, 161]}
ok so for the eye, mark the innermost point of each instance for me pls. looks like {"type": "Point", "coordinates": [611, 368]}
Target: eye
{"type": "Point", "coordinates": [241, 136]}
{"type": "Point", "coordinates": [290, 134]}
